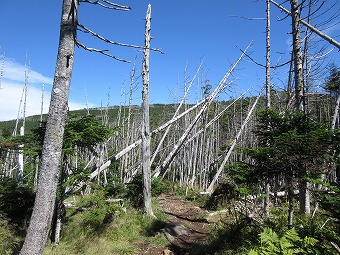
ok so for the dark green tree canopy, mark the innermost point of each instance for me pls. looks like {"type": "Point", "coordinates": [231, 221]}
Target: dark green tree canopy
{"type": "Point", "coordinates": [291, 142]}
{"type": "Point", "coordinates": [333, 80]}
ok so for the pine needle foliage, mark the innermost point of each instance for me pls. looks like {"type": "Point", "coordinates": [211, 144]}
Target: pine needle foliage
{"type": "Point", "coordinates": [290, 142]}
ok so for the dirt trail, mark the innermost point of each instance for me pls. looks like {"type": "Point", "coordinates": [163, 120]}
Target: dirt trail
{"type": "Point", "coordinates": [185, 226]}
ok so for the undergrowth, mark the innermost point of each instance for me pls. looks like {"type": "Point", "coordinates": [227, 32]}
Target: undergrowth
{"type": "Point", "coordinates": [123, 235]}
{"type": "Point", "coordinates": [312, 234]}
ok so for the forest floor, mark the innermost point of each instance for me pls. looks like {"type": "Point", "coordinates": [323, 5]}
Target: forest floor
{"type": "Point", "coordinates": [186, 228]}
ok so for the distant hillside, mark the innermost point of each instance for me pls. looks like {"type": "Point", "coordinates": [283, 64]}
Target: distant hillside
{"type": "Point", "coordinates": [320, 105]}
{"type": "Point", "coordinates": [158, 113]}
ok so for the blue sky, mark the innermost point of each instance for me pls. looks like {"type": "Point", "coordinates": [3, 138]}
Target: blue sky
{"type": "Point", "coordinates": [187, 31]}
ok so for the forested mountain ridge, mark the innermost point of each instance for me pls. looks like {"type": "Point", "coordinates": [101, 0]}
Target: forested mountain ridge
{"type": "Point", "coordinates": [254, 161]}
{"type": "Point", "coordinates": [193, 167]}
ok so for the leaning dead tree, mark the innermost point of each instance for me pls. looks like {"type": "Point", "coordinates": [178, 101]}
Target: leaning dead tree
{"type": "Point", "coordinates": [312, 28]}
{"type": "Point", "coordinates": [163, 168]}
{"type": "Point", "coordinates": [40, 223]}
{"type": "Point", "coordinates": [41, 219]}
{"type": "Point", "coordinates": [210, 189]}
{"type": "Point", "coordinates": [175, 114]}
{"type": "Point", "coordinates": [336, 110]}
{"type": "Point", "coordinates": [139, 141]}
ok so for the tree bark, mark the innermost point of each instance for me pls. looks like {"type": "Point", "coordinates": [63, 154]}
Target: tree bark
{"type": "Point", "coordinates": [145, 120]}
{"type": "Point", "coordinates": [336, 111]}
{"type": "Point", "coordinates": [40, 223]}
{"type": "Point", "coordinates": [298, 69]}
{"type": "Point", "coordinates": [313, 29]}
{"type": "Point", "coordinates": [268, 97]}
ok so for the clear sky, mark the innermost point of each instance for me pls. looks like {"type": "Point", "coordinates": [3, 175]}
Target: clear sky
{"type": "Point", "coordinates": [188, 31]}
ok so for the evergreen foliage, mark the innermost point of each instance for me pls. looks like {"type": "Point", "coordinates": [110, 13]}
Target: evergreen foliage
{"type": "Point", "coordinates": [8, 238]}
{"type": "Point", "coordinates": [290, 143]}
{"type": "Point", "coordinates": [333, 81]}
{"type": "Point", "coordinates": [16, 204]}
{"type": "Point", "coordinates": [98, 211]}
{"type": "Point", "coordinates": [134, 189]}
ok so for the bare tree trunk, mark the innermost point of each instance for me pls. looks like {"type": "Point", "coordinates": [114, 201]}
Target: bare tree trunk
{"type": "Point", "coordinates": [164, 167]}
{"type": "Point", "coordinates": [145, 120]}
{"type": "Point", "coordinates": [237, 137]}
{"type": "Point", "coordinates": [175, 114]}
{"type": "Point", "coordinates": [268, 95]}
{"type": "Point", "coordinates": [289, 84]}
{"type": "Point", "coordinates": [21, 159]}
{"type": "Point", "coordinates": [299, 93]}
{"type": "Point", "coordinates": [298, 68]}
{"type": "Point", "coordinates": [336, 110]}
{"type": "Point", "coordinates": [290, 199]}
{"type": "Point", "coordinates": [304, 194]}
{"type": "Point", "coordinates": [40, 223]}
{"type": "Point", "coordinates": [316, 31]}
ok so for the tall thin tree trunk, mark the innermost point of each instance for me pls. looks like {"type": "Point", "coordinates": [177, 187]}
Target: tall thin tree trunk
{"type": "Point", "coordinates": [268, 97]}
{"type": "Point", "coordinates": [41, 219]}
{"type": "Point", "coordinates": [290, 199]}
{"type": "Point", "coordinates": [21, 159]}
{"type": "Point", "coordinates": [304, 194]}
{"type": "Point", "coordinates": [299, 94]}
{"type": "Point", "coordinates": [336, 111]}
{"type": "Point", "coordinates": [298, 68]}
{"type": "Point", "coordinates": [145, 120]}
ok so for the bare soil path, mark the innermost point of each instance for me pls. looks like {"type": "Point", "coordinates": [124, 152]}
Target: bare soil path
{"type": "Point", "coordinates": [186, 226]}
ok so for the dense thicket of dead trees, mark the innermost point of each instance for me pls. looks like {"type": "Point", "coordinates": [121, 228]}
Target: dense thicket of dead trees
{"type": "Point", "coordinates": [192, 145]}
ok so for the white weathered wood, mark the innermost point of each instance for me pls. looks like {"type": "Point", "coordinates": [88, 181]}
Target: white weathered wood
{"type": "Point", "coordinates": [312, 28]}
{"type": "Point", "coordinates": [175, 114]}
{"type": "Point", "coordinates": [221, 168]}
{"type": "Point", "coordinates": [146, 119]}
{"type": "Point", "coordinates": [139, 141]}
{"type": "Point", "coordinates": [336, 110]}
{"type": "Point", "coordinates": [21, 159]}
{"type": "Point", "coordinates": [221, 86]}
{"type": "Point", "coordinates": [219, 115]}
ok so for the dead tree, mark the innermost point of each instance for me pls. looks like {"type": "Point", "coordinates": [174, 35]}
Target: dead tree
{"type": "Point", "coordinates": [175, 114]}
{"type": "Point", "coordinates": [298, 65]}
{"type": "Point", "coordinates": [40, 223]}
{"type": "Point", "coordinates": [164, 167]}
{"type": "Point", "coordinates": [146, 120]}
{"type": "Point", "coordinates": [312, 28]}
{"type": "Point", "coordinates": [268, 94]}
{"type": "Point", "coordinates": [236, 139]}
{"type": "Point", "coordinates": [52, 147]}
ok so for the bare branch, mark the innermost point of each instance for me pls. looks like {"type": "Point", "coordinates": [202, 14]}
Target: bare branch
{"type": "Point", "coordinates": [247, 18]}
{"type": "Point", "coordinates": [87, 30]}
{"type": "Point", "coordinates": [104, 52]}
{"type": "Point", "coordinates": [313, 29]}
{"type": "Point", "coordinates": [259, 64]}
{"type": "Point", "coordinates": [108, 5]}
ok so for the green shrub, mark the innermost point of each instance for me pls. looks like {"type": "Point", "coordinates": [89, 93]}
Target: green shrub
{"type": "Point", "coordinates": [16, 203]}
{"type": "Point", "coordinates": [134, 191]}
{"type": "Point", "coordinates": [98, 210]}
{"type": "Point", "coordinates": [8, 239]}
